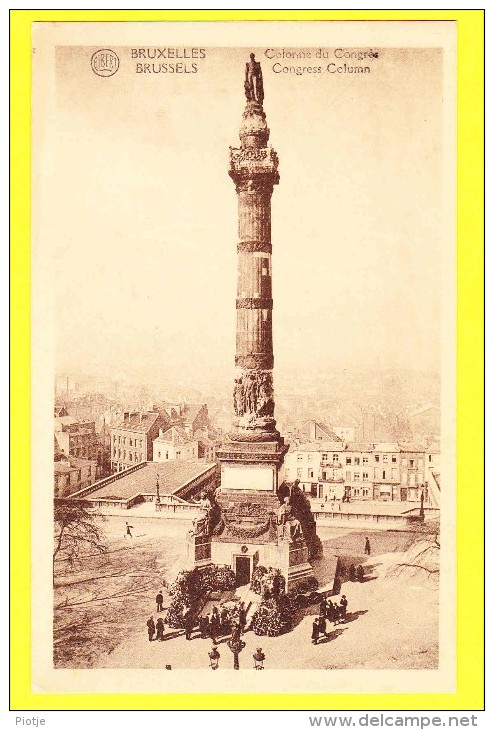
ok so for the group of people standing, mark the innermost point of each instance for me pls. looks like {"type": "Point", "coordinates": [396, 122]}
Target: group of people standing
{"type": "Point", "coordinates": [219, 623]}
{"type": "Point", "coordinates": [328, 611]}
{"type": "Point", "coordinates": [210, 626]}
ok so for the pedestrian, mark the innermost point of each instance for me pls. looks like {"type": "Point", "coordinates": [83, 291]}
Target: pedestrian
{"type": "Point", "coordinates": [343, 607]}
{"type": "Point", "coordinates": [322, 625]}
{"type": "Point", "coordinates": [330, 610]}
{"type": "Point", "coordinates": [151, 628]}
{"type": "Point", "coordinates": [322, 607]}
{"type": "Point", "coordinates": [224, 622]}
{"type": "Point", "coordinates": [242, 617]}
{"type": "Point", "coordinates": [203, 626]}
{"type": "Point", "coordinates": [189, 624]}
{"type": "Point", "coordinates": [367, 546]}
{"type": "Point", "coordinates": [128, 529]}
{"type": "Point", "coordinates": [315, 631]}
{"type": "Point", "coordinates": [160, 629]}
{"type": "Point", "coordinates": [214, 624]}
{"type": "Point", "coordinates": [159, 601]}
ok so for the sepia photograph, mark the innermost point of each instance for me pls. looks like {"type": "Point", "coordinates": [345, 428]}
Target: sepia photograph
{"type": "Point", "coordinates": [244, 302]}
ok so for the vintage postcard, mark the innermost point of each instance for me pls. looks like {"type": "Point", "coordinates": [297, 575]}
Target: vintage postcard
{"type": "Point", "coordinates": [244, 358]}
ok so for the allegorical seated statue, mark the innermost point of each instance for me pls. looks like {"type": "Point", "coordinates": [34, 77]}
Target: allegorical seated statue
{"type": "Point", "coordinates": [203, 525]}
{"type": "Point", "coordinates": [289, 528]}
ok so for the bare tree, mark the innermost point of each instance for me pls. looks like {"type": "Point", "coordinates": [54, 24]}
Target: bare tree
{"type": "Point", "coordinates": [76, 532]}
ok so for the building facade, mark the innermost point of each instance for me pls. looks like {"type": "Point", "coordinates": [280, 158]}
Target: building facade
{"type": "Point", "coordinates": [77, 439]}
{"type": "Point", "coordinates": [132, 440]}
{"type": "Point", "coordinates": [174, 443]}
{"type": "Point", "coordinates": [72, 474]}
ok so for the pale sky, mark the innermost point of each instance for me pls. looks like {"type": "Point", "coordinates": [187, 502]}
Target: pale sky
{"type": "Point", "coordinates": [145, 216]}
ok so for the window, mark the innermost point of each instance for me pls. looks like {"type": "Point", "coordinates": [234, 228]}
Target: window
{"type": "Point", "coordinates": [324, 457]}
{"type": "Point", "coordinates": [393, 459]}
{"type": "Point", "coordinates": [310, 473]}
{"type": "Point", "coordinates": [299, 473]}
{"type": "Point", "coordinates": [412, 463]}
{"type": "Point", "coordinates": [159, 454]}
{"type": "Point", "coordinates": [384, 475]}
{"type": "Point", "coordinates": [356, 476]}
{"type": "Point", "coordinates": [430, 458]}
{"type": "Point", "coordinates": [178, 454]}
{"type": "Point", "coordinates": [365, 492]}
{"type": "Point", "coordinates": [299, 457]}
{"type": "Point", "coordinates": [348, 459]}
{"type": "Point", "coordinates": [365, 476]}
{"type": "Point", "coordinates": [309, 457]}
{"type": "Point", "coordinates": [357, 460]}
{"type": "Point", "coordinates": [365, 460]}
{"type": "Point", "coordinates": [376, 457]}
{"type": "Point", "coordinates": [394, 476]}
{"type": "Point", "coordinates": [336, 457]}
{"type": "Point", "coordinates": [348, 476]}
{"type": "Point", "coordinates": [385, 458]}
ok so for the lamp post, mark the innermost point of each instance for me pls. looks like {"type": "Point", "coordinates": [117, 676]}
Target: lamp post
{"type": "Point", "coordinates": [236, 647]}
{"type": "Point", "coordinates": [214, 658]}
{"type": "Point", "coordinates": [259, 658]}
{"type": "Point", "coordinates": [158, 499]}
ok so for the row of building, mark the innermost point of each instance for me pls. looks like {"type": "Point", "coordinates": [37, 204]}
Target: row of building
{"type": "Point", "coordinates": [331, 469]}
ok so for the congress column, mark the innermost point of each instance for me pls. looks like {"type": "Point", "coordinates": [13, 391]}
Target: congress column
{"type": "Point", "coordinates": [254, 170]}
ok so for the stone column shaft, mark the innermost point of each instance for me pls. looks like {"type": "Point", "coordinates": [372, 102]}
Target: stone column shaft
{"type": "Point", "coordinates": [254, 170]}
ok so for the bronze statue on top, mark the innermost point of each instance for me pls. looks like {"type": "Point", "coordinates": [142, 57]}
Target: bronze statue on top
{"type": "Point", "coordinates": [254, 90]}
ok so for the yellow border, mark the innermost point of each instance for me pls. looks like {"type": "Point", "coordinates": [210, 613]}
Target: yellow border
{"type": "Point", "coordinates": [469, 695]}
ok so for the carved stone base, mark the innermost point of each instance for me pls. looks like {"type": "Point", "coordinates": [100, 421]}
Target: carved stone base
{"type": "Point", "coordinates": [252, 434]}
{"type": "Point", "coordinates": [238, 450]}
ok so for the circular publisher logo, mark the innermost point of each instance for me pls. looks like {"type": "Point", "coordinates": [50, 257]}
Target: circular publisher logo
{"type": "Point", "coordinates": [105, 62]}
